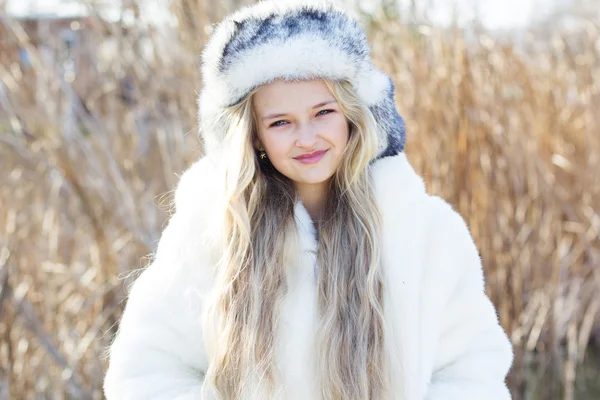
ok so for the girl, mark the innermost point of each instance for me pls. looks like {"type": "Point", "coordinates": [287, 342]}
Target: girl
{"type": "Point", "coordinates": [305, 259]}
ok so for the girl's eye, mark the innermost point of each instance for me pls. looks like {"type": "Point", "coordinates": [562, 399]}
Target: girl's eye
{"type": "Point", "coordinates": [278, 123]}
{"type": "Point", "coordinates": [282, 122]}
{"type": "Point", "coordinates": [323, 112]}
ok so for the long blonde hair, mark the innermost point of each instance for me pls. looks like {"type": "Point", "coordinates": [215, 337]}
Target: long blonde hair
{"type": "Point", "coordinates": [241, 320]}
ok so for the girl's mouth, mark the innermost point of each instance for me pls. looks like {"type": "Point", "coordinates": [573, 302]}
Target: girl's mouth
{"type": "Point", "coordinates": [311, 158]}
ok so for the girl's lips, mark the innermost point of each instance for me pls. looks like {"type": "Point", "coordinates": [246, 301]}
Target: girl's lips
{"type": "Point", "coordinates": [311, 158]}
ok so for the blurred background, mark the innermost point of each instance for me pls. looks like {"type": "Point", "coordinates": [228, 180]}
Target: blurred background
{"type": "Point", "coordinates": [98, 120]}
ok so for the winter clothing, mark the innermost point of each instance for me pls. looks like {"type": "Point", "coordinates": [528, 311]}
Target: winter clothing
{"type": "Point", "coordinates": [445, 341]}
{"type": "Point", "coordinates": [442, 334]}
{"type": "Point", "coordinates": [292, 40]}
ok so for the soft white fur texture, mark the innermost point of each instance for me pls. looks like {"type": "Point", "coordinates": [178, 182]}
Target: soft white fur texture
{"type": "Point", "coordinates": [444, 339]}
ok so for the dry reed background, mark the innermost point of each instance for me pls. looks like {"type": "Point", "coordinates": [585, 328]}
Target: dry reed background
{"type": "Point", "coordinates": [507, 132]}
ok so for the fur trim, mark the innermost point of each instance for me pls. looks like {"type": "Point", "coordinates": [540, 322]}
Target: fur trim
{"type": "Point", "coordinates": [292, 40]}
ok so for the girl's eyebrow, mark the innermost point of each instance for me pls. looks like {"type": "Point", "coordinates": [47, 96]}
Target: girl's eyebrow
{"type": "Point", "coordinates": [271, 116]}
{"type": "Point", "coordinates": [324, 103]}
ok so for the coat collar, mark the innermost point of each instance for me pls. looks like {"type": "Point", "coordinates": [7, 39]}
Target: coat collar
{"type": "Point", "coordinates": [395, 183]}
{"type": "Point", "coordinates": [199, 195]}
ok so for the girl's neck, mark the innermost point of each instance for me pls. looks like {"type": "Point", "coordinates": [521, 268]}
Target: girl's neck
{"type": "Point", "coordinates": [314, 199]}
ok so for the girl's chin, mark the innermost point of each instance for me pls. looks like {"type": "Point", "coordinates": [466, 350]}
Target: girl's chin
{"type": "Point", "coordinates": [314, 179]}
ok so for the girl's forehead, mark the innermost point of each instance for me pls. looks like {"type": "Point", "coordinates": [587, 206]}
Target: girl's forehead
{"type": "Point", "coordinates": [291, 94]}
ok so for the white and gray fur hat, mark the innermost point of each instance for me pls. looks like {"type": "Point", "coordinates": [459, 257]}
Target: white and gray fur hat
{"type": "Point", "coordinates": [292, 40]}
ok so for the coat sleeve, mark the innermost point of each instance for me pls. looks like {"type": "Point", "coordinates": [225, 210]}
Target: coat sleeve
{"type": "Point", "coordinates": [471, 354]}
{"type": "Point", "coordinates": [158, 352]}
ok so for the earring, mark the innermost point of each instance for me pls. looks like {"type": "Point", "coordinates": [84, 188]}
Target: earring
{"type": "Point", "coordinates": [263, 155]}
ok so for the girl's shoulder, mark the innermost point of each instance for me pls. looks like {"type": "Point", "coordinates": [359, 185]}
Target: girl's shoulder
{"type": "Point", "coordinates": [421, 225]}
{"type": "Point", "coordinates": [401, 195]}
{"type": "Point", "coordinates": [198, 187]}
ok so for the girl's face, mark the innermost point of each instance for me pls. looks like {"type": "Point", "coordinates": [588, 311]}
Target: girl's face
{"type": "Point", "coordinates": [301, 128]}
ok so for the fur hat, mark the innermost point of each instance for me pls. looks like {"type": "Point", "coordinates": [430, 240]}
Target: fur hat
{"type": "Point", "coordinates": [292, 40]}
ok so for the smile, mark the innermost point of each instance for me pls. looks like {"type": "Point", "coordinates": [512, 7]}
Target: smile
{"type": "Point", "coordinates": [312, 157]}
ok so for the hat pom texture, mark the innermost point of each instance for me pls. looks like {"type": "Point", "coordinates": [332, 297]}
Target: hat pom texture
{"type": "Point", "coordinates": [292, 40]}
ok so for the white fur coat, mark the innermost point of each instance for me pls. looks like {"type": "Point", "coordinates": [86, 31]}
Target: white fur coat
{"type": "Point", "coordinates": [444, 339]}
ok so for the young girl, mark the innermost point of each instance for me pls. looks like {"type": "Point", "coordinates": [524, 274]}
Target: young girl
{"type": "Point", "coordinates": [305, 259]}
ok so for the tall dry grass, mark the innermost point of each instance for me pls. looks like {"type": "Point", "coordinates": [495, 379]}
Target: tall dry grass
{"type": "Point", "coordinates": [507, 133]}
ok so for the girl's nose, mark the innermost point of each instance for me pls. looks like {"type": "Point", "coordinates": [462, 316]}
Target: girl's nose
{"type": "Point", "coordinates": [307, 136]}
